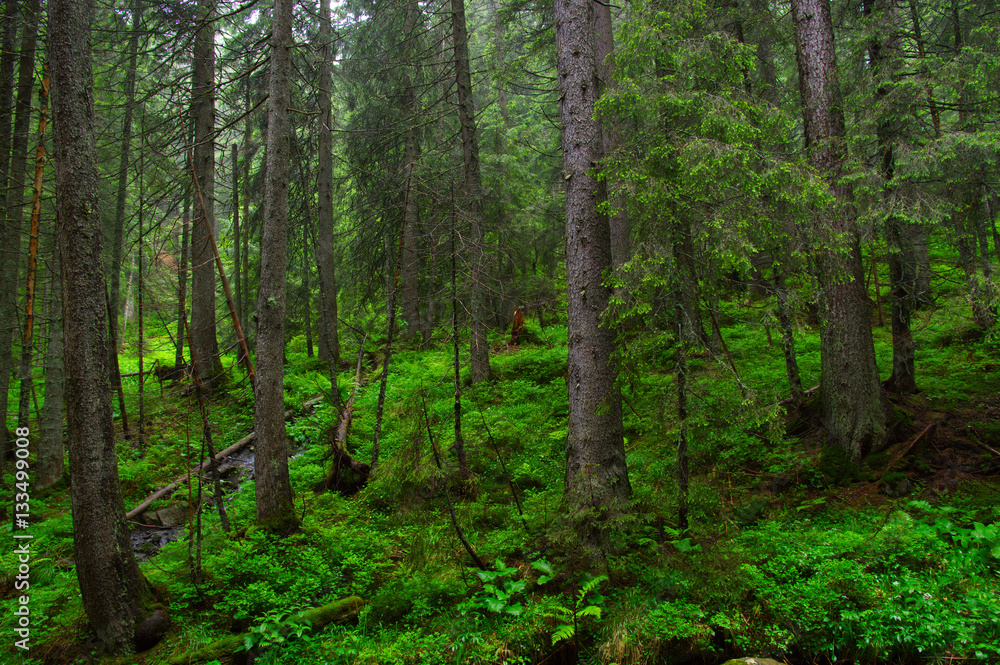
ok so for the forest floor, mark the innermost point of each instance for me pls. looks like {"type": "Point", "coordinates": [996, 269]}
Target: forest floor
{"type": "Point", "coordinates": [793, 553]}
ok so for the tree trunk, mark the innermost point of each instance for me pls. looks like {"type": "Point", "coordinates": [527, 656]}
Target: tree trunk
{"type": "Point", "coordinates": [788, 338]}
{"type": "Point", "coordinates": [325, 260]}
{"type": "Point", "coordinates": [112, 587]}
{"type": "Point", "coordinates": [182, 278]}
{"type": "Point", "coordinates": [604, 43]}
{"type": "Point", "coordinates": [117, 232]}
{"type": "Point", "coordinates": [274, 490]}
{"type": "Point", "coordinates": [410, 260]}
{"type": "Point", "coordinates": [596, 475]}
{"type": "Point", "coordinates": [51, 466]}
{"type": "Point", "coordinates": [28, 340]}
{"type": "Point", "coordinates": [205, 351]}
{"type": "Point", "coordinates": [8, 234]}
{"type": "Point", "coordinates": [15, 197]}
{"type": "Point", "coordinates": [883, 56]}
{"type": "Point", "coordinates": [237, 237]}
{"type": "Point", "coordinates": [854, 410]}
{"type": "Point", "coordinates": [472, 201]}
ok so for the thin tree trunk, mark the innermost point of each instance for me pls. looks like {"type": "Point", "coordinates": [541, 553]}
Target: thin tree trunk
{"type": "Point", "coordinates": [275, 510]}
{"type": "Point", "coordinates": [117, 232]}
{"type": "Point", "coordinates": [325, 261]}
{"type": "Point", "coordinates": [182, 278]}
{"type": "Point", "coordinates": [788, 338]}
{"type": "Point", "coordinates": [410, 265]}
{"type": "Point", "coordinates": [473, 197]}
{"type": "Point", "coordinates": [237, 236]}
{"type": "Point", "coordinates": [8, 234]}
{"type": "Point", "coordinates": [14, 220]}
{"type": "Point", "coordinates": [884, 54]}
{"type": "Point", "coordinates": [113, 589]}
{"type": "Point", "coordinates": [854, 410]}
{"type": "Point", "coordinates": [307, 293]}
{"type": "Point", "coordinates": [27, 343]}
{"type": "Point", "coordinates": [456, 366]}
{"type": "Point", "coordinates": [597, 483]}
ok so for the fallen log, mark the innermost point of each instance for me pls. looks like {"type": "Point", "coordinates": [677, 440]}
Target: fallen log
{"type": "Point", "coordinates": [336, 479]}
{"type": "Point", "coordinates": [166, 491]}
{"type": "Point", "coordinates": [337, 612]}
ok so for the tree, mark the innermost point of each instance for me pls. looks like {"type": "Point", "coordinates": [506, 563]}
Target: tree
{"type": "Point", "coordinates": [853, 405]}
{"type": "Point", "coordinates": [473, 196]}
{"type": "Point", "coordinates": [205, 346]}
{"type": "Point", "coordinates": [596, 473]}
{"type": "Point", "coordinates": [329, 340]}
{"type": "Point", "coordinates": [274, 490]}
{"type": "Point", "coordinates": [113, 589]}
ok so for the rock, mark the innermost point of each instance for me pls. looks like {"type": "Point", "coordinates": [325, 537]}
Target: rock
{"type": "Point", "coordinates": [149, 517]}
{"type": "Point", "coordinates": [173, 515]}
{"type": "Point", "coordinates": [752, 660]}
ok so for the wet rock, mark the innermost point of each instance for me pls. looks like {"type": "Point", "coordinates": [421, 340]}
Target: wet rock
{"type": "Point", "coordinates": [173, 515]}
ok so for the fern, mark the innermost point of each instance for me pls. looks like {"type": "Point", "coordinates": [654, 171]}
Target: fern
{"type": "Point", "coordinates": [580, 610]}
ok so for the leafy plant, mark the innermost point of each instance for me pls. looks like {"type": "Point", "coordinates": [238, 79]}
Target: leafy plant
{"type": "Point", "coordinates": [583, 607]}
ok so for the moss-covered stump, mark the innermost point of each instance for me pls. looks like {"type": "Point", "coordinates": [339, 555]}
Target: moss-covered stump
{"type": "Point", "coordinates": [339, 611]}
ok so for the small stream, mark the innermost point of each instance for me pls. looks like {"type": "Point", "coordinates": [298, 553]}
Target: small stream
{"type": "Point", "coordinates": [157, 528]}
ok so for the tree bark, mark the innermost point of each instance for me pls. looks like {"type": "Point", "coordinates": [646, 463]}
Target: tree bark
{"type": "Point", "coordinates": [51, 465]}
{"type": "Point", "coordinates": [883, 56]}
{"type": "Point", "coordinates": [182, 278]}
{"type": "Point", "coordinates": [472, 203]}
{"type": "Point", "coordinates": [112, 587]}
{"type": "Point", "coordinates": [28, 340]}
{"type": "Point", "coordinates": [604, 43]}
{"type": "Point", "coordinates": [237, 237]}
{"type": "Point", "coordinates": [8, 235]}
{"type": "Point", "coordinates": [15, 198]}
{"type": "Point", "coordinates": [854, 410]}
{"type": "Point", "coordinates": [205, 351]}
{"type": "Point", "coordinates": [274, 490]}
{"type": "Point", "coordinates": [596, 474]}
{"type": "Point", "coordinates": [325, 260]}
{"type": "Point", "coordinates": [117, 231]}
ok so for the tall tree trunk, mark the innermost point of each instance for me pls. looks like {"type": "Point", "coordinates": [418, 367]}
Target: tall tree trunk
{"type": "Point", "coordinates": [274, 490]}
{"type": "Point", "coordinates": [883, 57]}
{"type": "Point", "coordinates": [51, 465]}
{"type": "Point", "coordinates": [597, 481]}
{"type": "Point", "coordinates": [410, 260]}
{"type": "Point", "coordinates": [113, 589]}
{"type": "Point", "coordinates": [854, 410]}
{"type": "Point", "coordinates": [325, 261]}
{"type": "Point", "coordinates": [604, 43]}
{"type": "Point", "coordinates": [8, 234]}
{"type": "Point", "coordinates": [472, 200]}
{"type": "Point", "coordinates": [117, 231]}
{"type": "Point", "coordinates": [15, 198]}
{"type": "Point", "coordinates": [205, 351]}
{"type": "Point", "coordinates": [182, 278]}
{"type": "Point", "coordinates": [27, 341]}
{"type": "Point", "coordinates": [306, 290]}
{"type": "Point", "coordinates": [237, 237]}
